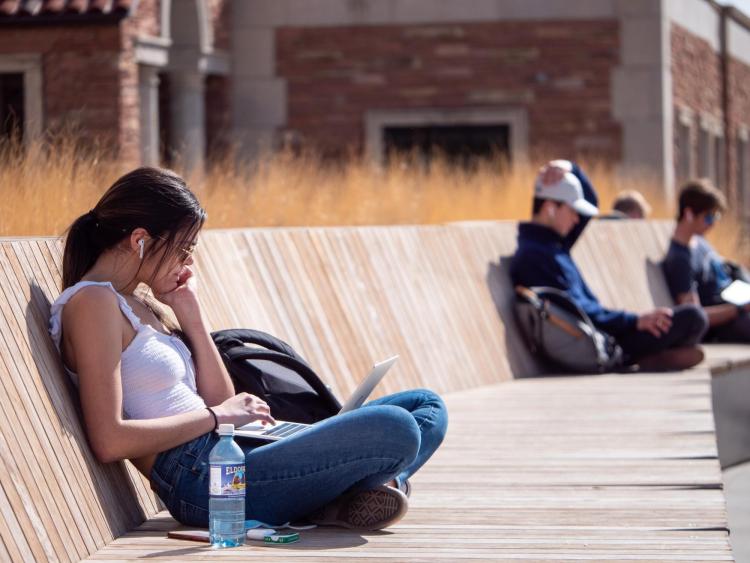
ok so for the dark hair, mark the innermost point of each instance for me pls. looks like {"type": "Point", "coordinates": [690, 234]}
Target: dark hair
{"type": "Point", "coordinates": [701, 195]}
{"type": "Point", "coordinates": [154, 199]}
{"type": "Point", "coordinates": [632, 202]}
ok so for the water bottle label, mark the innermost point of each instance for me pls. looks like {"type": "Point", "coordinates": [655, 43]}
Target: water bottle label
{"type": "Point", "coordinates": [227, 480]}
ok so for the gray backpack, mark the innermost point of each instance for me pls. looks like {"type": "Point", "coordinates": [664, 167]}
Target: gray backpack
{"type": "Point", "coordinates": [555, 327]}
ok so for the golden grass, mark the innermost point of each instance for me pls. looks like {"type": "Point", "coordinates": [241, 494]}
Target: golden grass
{"type": "Point", "coordinates": [45, 187]}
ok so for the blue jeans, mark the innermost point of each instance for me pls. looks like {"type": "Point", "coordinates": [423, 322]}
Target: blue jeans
{"type": "Point", "coordinates": [391, 437]}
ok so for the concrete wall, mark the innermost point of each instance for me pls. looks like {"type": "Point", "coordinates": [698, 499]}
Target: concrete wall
{"type": "Point", "coordinates": [642, 91]}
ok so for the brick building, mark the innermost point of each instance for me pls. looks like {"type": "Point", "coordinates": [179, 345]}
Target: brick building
{"type": "Point", "coordinates": [661, 86]}
{"type": "Point", "coordinates": [127, 74]}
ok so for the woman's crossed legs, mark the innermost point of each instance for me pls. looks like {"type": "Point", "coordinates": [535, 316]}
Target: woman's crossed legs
{"type": "Point", "coordinates": [389, 438]}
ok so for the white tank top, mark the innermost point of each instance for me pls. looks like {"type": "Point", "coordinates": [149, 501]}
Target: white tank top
{"type": "Point", "coordinates": [157, 370]}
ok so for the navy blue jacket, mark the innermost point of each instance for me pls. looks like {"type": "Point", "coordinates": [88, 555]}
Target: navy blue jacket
{"type": "Point", "coordinates": [543, 258]}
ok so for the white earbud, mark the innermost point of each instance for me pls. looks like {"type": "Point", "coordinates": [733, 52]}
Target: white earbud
{"type": "Point", "coordinates": [141, 243]}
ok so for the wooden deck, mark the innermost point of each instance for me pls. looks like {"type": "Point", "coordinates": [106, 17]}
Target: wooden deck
{"type": "Point", "coordinates": [599, 468]}
{"type": "Point", "coordinates": [610, 468]}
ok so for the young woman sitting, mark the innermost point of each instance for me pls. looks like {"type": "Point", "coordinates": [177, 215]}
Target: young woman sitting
{"type": "Point", "coordinates": [154, 393]}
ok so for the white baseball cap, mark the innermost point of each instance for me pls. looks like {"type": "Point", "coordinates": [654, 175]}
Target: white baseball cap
{"type": "Point", "coordinates": [567, 190]}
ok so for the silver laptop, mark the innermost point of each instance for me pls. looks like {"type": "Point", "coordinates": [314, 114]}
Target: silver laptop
{"type": "Point", "coordinates": [283, 429]}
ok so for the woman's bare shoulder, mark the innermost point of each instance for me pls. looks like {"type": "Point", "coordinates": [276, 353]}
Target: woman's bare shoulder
{"type": "Point", "coordinates": [91, 303]}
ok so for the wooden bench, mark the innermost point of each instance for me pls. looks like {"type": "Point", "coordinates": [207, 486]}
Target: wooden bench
{"type": "Point", "coordinates": [600, 468]}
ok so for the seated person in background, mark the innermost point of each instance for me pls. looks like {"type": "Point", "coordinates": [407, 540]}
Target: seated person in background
{"type": "Point", "coordinates": [695, 273]}
{"type": "Point", "coordinates": [631, 205]}
{"type": "Point", "coordinates": [564, 202]}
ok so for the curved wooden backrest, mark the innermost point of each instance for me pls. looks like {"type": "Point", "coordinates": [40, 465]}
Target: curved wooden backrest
{"type": "Point", "coordinates": [348, 297]}
{"type": "Point", "coordinates": [438, 296]}
{"type": "Point", "coordinates": [620, 261]}
{"type": "Point", "coordinates": [56, 501]}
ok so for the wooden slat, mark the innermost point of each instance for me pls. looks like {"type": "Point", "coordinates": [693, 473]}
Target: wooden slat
{"type": "Point", "coordinates": [607, 468]}
{"type": "Point", "coordinates": [44, 282]}
{"type": "Point", "coordinates": [66, 505]}
{"type": "Point", "coordinates": [21, 417]}
{"type": "Point", "coordinates": [507, 484]}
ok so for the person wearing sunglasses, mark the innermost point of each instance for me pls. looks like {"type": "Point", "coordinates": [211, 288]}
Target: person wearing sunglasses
{"type": "Point", "coordinates": [695, 272]}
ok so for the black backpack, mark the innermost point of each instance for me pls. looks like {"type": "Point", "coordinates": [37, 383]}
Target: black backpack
{"type": "Point", "coordinates": [556, 328]}
{"type": "Point", "coordinates": [270, 369]}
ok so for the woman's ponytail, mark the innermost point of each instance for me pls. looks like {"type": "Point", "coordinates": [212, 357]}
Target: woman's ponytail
{"type": "Point", "coordinates": [81, 249]}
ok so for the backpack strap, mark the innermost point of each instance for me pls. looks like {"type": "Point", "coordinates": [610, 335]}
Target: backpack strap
{"type": "Point", "coordinates": [229, 338]}
{"type": "Point", "coordinates": [231, 345]}
{"type": "Point", "coordinates": [562, 296]}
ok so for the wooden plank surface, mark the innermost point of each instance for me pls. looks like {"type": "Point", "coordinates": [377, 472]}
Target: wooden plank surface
{"type": "Point", "coordinates": [608, 468]}
{"type": "Point", "coordinates": [564, 456]}
{"type": "Point", "coordinates": [56, 501]}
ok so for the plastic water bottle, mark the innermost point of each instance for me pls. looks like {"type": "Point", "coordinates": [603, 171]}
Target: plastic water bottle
{"type": "Point", "coordinates": [226, 503]}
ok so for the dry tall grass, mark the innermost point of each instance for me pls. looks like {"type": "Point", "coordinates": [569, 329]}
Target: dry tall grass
{"type": "Point", "coordinates": [44, 187]}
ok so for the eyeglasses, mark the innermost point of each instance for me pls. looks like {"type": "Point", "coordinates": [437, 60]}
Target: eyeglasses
{"type": "Point", "coordinates": [186, 252]}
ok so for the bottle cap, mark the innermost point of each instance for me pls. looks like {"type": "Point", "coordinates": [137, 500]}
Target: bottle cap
{"type": "Point", "coordinates": [226, 429]}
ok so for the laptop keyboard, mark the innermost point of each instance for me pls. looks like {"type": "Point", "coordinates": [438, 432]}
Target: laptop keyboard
{"type": "Point", "coordinates": [285, 429]}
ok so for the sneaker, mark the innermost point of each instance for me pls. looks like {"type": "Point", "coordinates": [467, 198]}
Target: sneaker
{"type": "Point", "coordinates": [674, 359]}
{"type": "Point", "coordinates": [405, 487]}
{"type": "Point", "coordinates": [365, 510]}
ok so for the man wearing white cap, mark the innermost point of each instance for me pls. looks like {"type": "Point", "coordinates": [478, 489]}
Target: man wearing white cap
{"type": "Point", "coordinates": [564, 202]}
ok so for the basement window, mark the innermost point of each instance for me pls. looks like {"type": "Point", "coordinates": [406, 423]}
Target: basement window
{"type": "Point", "coordinates": [463, 137]}
{"type": "Point", "coordinates": [11, 105]}
{"type": "Point", "coordinates": [460, 144]}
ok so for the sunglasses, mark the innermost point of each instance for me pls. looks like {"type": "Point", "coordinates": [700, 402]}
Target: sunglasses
{"type": "Point", "coordinates": [711, 218]}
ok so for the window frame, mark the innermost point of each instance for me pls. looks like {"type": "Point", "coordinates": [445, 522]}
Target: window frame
{"type": "Point", "coordinates": [30, 66]}
{"type": "Point", "coordinates": [515, 118]}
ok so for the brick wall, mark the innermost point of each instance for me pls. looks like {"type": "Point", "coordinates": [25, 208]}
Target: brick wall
{"type": "Point", "coordinates": [80, 75]}
{"type": "Point", "coordinates": [218, 103]}
{"type": "Point", "coordinates": [559, 73]}
{"type": "Point", "coordinates": [696, 80]}
{"type": "Point", "coordinates": [218, 116]}
{"type": "Point", "coordinates": [739, 92]}
{"type": "Point", "coordinates": [145, 22]}
{"type": "Point", "coordinates": [696, 72]}
{"type": "Point", "coordinates": [220, 20]}
{"type": "Point", "coordinates": [696, 86]}
{"type": "Point", "coordinates": [147, 18]}
{"type": "Point", "coordinates": [739, 112]}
